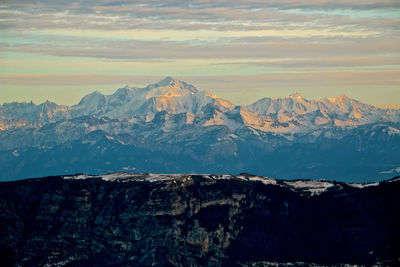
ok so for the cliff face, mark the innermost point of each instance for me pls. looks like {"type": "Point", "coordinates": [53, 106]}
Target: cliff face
{"type": "Point", "coordinates": [195, 221]}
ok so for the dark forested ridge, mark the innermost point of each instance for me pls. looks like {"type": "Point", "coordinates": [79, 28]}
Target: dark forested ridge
{"type": "Point", "coordinates": [196, 220]}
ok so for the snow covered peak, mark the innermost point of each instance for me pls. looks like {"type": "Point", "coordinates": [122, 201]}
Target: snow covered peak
{"type": "Point", "coordinates": [166, 81]}
{"type": "Point", "coordinates": [290, 114]}
{"type": "Point", "coordinates": [92, 98]}
{"type": "Point", "coordinates": [295, 96]}
{"type": "Point", "coordinates": [16, 115]}
{"type": "Point", "coordinates": [297, 114]}
{"type": "Point", "coordinates": [340, 98]}
{"type": "Point", "coordinates": [92, 102]}
{"type": "Point", "coordinates": [205, 97]}
{"type": "Point", "coordinates": [125, 92]}
{"type": "Point", "coordinates": [209, 94]}
{"type": "Point", "coordinates": [292, 104]}
{"type": "Point", "coordinates": [48, 106]}
{"type": "Point", "coordinates": [169, 87]}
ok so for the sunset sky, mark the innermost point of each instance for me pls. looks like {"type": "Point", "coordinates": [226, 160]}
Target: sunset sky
{"type": "Point", "coordinates": [239, 50]}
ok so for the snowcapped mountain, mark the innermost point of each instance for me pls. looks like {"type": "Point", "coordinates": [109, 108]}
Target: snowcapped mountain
{"type": "Point", "coordinates": [298, 113]}
{"type": "Point", "coordinates": [15, 115]}
{"type": "Point", "coordinates": [167, 95]}
{"type": "Point", "coordinates": [290, 114]}
{"type": "Point", "coordinates": [171, 126]}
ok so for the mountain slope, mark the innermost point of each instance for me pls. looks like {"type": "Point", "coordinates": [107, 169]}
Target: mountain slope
{"type": "Point", "coordinates": [127, 219]}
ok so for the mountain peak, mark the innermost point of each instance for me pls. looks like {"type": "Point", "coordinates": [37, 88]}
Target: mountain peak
{"type": "Point", "coordinates": [170, 87]}
{"type": "Point", "coordinates": [337, 99]}
{"type": "Point", "coordinates": [209, 94]}
{"type": "Point", "coordinates": [296, 96]}
{"type": "Point", "coordinates": [124, 91]}
{"type": "Point", "coordinates": [48, 104]}
{"type": "Point", "coordinates": [95, 98]}
{"type": "Point", "coordinates": [167, 81]}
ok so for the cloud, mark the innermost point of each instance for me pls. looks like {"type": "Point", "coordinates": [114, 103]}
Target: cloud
{"type": "Point", "coordinates": [300, 63]}
{"type": "Point", "coordinates": [236, 15]}
{"type": "Point", "coordinates": [215, 3]}
{"type": "Point", "coordinates": [75, 79]}
{"type": "Point", "coordinates": [256, 48]}
{"type": "Point", "coordinates": [202, 35]}
{"type": "Point", "coordinates": [257, 80]}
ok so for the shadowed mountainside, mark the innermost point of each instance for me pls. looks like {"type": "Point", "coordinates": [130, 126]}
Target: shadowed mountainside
{"type": "Point", "coordinates": [197, 220]}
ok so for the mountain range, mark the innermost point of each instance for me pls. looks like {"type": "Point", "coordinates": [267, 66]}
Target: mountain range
{"type": "Point", "coordinates": [171, 127]}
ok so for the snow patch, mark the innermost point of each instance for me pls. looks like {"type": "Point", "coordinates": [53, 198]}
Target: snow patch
{"type": "Point", "coordinates": [15, 153]}
{"type": "Point", "coordinates": [153, 177]}
{"type": "Point", "coordinates": [363, 185]}
{"type": "Point", "coordinates": [264, 180]}
{"type": "Point", "coordinates": [80, 176]}
{"type": "Point", "coordinates": [394, 180]}
{"type": "Point", "coordinates": [314, 187]}
{"type": "Point", "coordinates": [394, 170]}
{"type": "Point", "coordinates": [393, 131]}
{"type": "Point", "coordinates": [126, 176]}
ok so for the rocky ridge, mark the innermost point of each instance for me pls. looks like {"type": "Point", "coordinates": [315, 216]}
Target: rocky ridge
{"type": "Point", "coordinates": [197, 220]}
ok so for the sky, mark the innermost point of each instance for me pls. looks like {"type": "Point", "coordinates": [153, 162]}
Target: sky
{"type": "Point", "coordinates": [239, 50]}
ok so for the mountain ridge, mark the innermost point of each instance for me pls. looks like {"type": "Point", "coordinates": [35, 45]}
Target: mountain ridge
{"type": "Point", "coordinates": [176, 96]}
{"type": "Point", "coordinates": [170, 126]}
{"type": "Point", "coordinates": [197, 220]}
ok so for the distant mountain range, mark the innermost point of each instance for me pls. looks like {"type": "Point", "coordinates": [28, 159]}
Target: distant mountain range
{"type": "Point", "coordinates": [170, 127]}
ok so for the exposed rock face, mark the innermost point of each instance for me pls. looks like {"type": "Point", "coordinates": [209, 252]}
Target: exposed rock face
{"type": "Point", "coordinates": [196, 221]}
